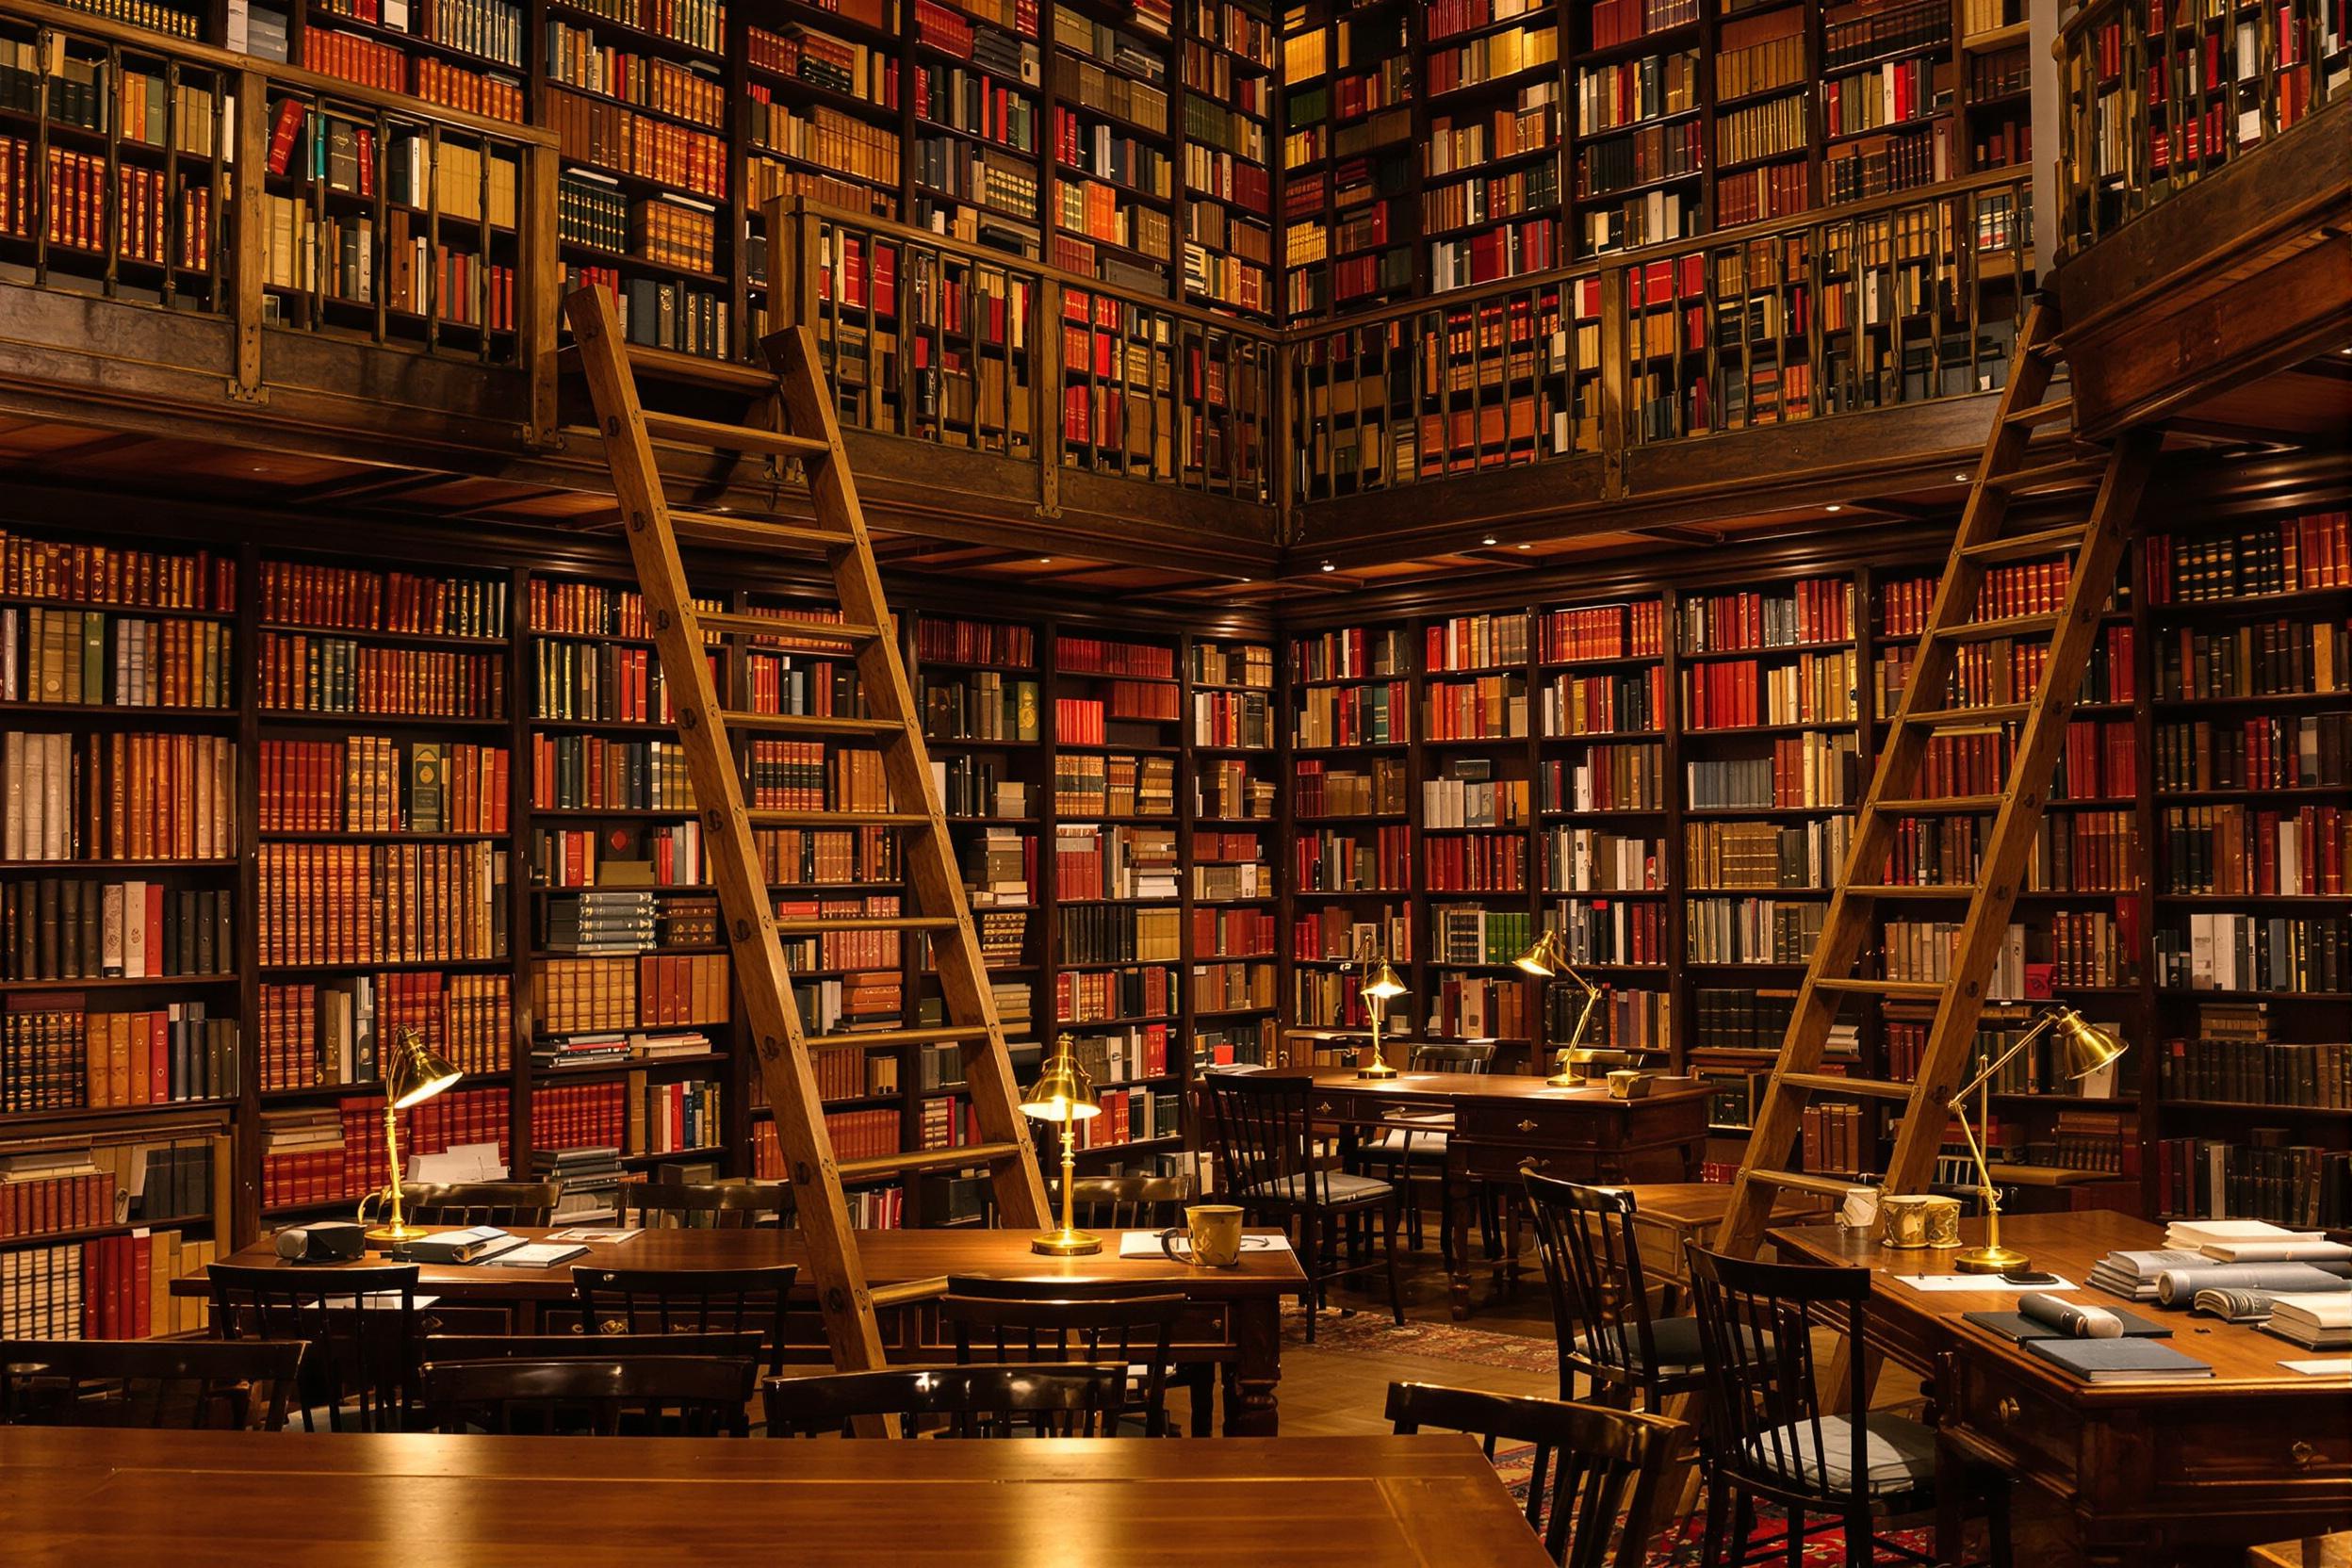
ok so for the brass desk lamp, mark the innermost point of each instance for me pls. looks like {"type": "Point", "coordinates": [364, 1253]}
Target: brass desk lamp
{"type": "Point", "coordinates": [2083, 1050]}
{"type": "Point", "coordinates": [1547, 959]}
{"type": "Point", "coordinates": [413, 1072]}
{"type": "Point", "coordinates": [1064, 1095]}
{"type": "Point", "coordinates": [1380, 986]}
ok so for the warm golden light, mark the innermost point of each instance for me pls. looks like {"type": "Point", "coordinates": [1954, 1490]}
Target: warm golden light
{"type": "Point", "coordinates": [2083, 1049]}
{"type": "Point", "coordinates": [1064, 1095]}
{"type": "Point", "coordinates": [413, 1072]}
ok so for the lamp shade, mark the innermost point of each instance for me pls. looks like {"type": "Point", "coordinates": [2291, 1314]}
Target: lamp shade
{"type": "Point", "coordinates": [1062, 1092]}
{"type": "Point", "coordinates": [2085, 1047]}
{"type": "Point", "coordinates": [413, 1072]}
{"type": "Point", "coordinates": [1546, 957]}
{"type": "Point", "coordinates": [1381, 982]}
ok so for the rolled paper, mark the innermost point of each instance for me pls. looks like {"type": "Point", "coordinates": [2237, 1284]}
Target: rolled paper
{"type": "Point", "coordinates": [2078, 1318]}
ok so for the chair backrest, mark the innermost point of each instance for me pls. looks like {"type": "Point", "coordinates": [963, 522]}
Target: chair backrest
{"type": "Point", "coordinates": [1593, 1490]}
{"type": "Point", "coordinates": [360, 1325]}
{"type": "Point", "coordinates": [470, 1204]}
{"type": "Point", "coordinates": [1075, 1399]}
{"type": "Point", "coordinates": [1022, 1320]}
{"type": "Point", "coordinates": [688, 1301]}
{"type": "Point", "coordinates": [719, 1205]}
{"type": "Point", "coordinates": [1263, 1133]}
{"type": "Point", "coordinates": [1130, 1202]}
{"type": "Point", "coordinates": [1764, 1411]}
{"type": "Point", "coordinates": [677, 1395]}
{"type": "Point", "coordinates": [582, 1344]}
{"type": "Point", "coordinates": [1592, 1268]}
{"type": "Point", "coordinates": [148, 1382]}
{"type": "Point", "coordinates": [1457, 1057]}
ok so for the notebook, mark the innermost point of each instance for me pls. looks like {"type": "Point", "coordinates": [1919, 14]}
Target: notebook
{"type": "Point", "coordinates": [2119, 1361]}
{"type": "Point", "coordinates": [2017, 1328]}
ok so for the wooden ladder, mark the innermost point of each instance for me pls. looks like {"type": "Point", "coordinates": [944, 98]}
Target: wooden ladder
{"type": "Point", "coordinates": [810, 441]}
{"type": "Point", "coordinates": [2112, 480]}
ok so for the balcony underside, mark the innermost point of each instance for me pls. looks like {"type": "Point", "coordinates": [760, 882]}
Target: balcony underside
{"type": "Point", "coordinates": [2242, 276]}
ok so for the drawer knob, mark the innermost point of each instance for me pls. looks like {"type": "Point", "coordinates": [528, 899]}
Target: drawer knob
{"type": "Point", "coordinates": [2302, 1453]}
{"type": "Point", "coordinates": [1527, 1126]}
{"type": "Point", "coordinates": [2007, 1410]}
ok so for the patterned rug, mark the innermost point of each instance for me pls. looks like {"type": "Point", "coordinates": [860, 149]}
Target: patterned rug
{"type": "Point", "coordinates": [1372, 1333]}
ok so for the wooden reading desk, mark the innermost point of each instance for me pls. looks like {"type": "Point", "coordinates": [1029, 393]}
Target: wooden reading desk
{"type": "Point", "coordinates": [1236, 1323]}
{"type": "Point", "coordinates": [2196, 1470]}
{"type": "Point", "coordinates": [1502, 1123]}
{"type": "Point", "coordinates": [72, 1497]}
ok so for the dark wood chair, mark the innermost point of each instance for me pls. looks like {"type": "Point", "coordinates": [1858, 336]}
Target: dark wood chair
{"type": "Point", "coordinates": [468, 1203]}
{"type": "Point", "coordinates": [360, 1325]}
{"type": "Point", "coordinates": [1601, 1320]}
{"type": "Point", "coordinates": [585, 1345]}
{"type": "Point", "coordinates": [717, 1205]}
{"type": "Point", "coordinates": [1594, 1486]}
{"type": "Point", "coordinates": [148, 1382]}
{"type": "Point", "coordinates": [1130, 1202]}
{"type": "Point", "coordinates": [1023, 1320]}
{"type": "Point", "coordinates": [1076, 1399]}
{"type": "Point", "coordinates": [688, 1301]}
{"type": "Point", "coordinates": [1264, 1131]}
{"type": "Point", "coordinates": [590, 1397]}
{"type": "Point", "coordinates": [1411, 1151]}
{"type": "Point", "coordinates": [1769, 1437]}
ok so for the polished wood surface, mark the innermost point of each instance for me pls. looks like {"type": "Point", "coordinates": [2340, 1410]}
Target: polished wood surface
{"type": "Point", "coordinates": [1235, 1324]}
{"type": "Point", "coordinates": [1503, 1123]}
{"type": "Point", "coordinates": [69, 1498]}
{"type": "Point", "coordinates": [2201, 1471]}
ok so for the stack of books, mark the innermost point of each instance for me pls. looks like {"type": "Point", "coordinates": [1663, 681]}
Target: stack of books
{"type": "Point", "coordinates": [603, 919]}
{"type": "Point", "coordinates": [590, 1179]}
{"type": "Point", "coordinates": [2228, 1268]}
{"type": "Point", "coordinates": [2316, 1322]}
{"type": "Point", "coordinates": [579, 1051]}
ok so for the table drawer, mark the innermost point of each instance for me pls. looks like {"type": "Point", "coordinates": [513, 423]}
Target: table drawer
{"type": "Point", "coordinates": [2252, 1442]}
{"type": "Point", "coordinates": [2015, 1414]}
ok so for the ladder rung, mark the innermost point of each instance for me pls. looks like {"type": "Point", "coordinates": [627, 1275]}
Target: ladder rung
{"type": "Point", "coordinates": [666, 364]}
{"type": "Point", "coordinates": [1845, 987]}
{"type": "Point", "coordinates": [907, 1291]}
{"type": "Point", "coordinates": [821, 923]}
{"type": "Point", "coordinates": [754, 533]}
{"type": "Point", "coordinates": [1948, 805]}
{"type": "Point", "coordinates": [1830, 1083]}
{"type": "Point", "coordinates": [1797, 1180]}
{"type": "Point", "coordinates": [733, 439]}
{"type": "Point", "coordinates": [777, 626]}
{"type": "Point", "coordinates": [1911, 890]}
{"type": "Point", "coordinates": [943, 1035]}
{"type": "Point", "coordinates": [2041, 414]}
{"type": "Point", "coordinates": [836, 819]}
{"type": "Point", "coordinates": [1985, 715]}
{"type": "Point", "coordinates": [2072, 472]}
{"type": "Point", "coordinates": [2005, 625]}
{"type": "Point", "coordinates": [809, 723]}
{"type": "Point", "coordinates": [926, 1159]}
{"type": "Point", "coordinates": [2048, 541]}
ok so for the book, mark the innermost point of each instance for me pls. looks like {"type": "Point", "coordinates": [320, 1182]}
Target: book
{"type": "Point", "coordinates": [2122, 1360]}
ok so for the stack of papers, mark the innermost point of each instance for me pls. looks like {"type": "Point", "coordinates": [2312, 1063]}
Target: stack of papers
{"type": "Point", "coordinates": [2132, 1275]}
{"type": "Point", "coordinates": [2255, 1241]}
{"type": "Point", "coordinates": [2320, 1322]}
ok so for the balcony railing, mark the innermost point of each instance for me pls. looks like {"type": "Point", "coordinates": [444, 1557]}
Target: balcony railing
{"type": "Point", "coordinates": [963, 346]}
{"type": "Point", "coordinates": [2160, 92]}
{"type": "Point", "coordinates": [1901, 300]}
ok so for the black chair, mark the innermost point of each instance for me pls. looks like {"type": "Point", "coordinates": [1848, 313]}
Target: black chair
{"type": "Point", "coordinates": [1023, 1320]}
{"type": "Point", "coordinates": [1769, 1439]}
{"type": "Point", "coordinates": [360, 1325]}
{"type": "Point", "coordinates": [470, 1203]}
{"type": "Point", "coordinates": [1077, 1399]}
{"type": "Point", "coordinates": [714, 1205]}
{"type": "Point", "coordinates": [148, 1382]}
{"type": "Point", "coordinates": [1265, 1134]}
{"type": "Point", "coordinates": [667, 1396]}
{"type": "Point", "coordinates": [1130, 1202]}
{"type": "Point", "coordinates": [585, 1345]}
{"type": "Point", "coordinates": [1411, 1148]}
{"type": "Point", "coordinates": [1601, 1299]}
{"type": "Point", "coordinates": [688, 1301]}
{"type": "Point", "coordinates": [1592, 1489]}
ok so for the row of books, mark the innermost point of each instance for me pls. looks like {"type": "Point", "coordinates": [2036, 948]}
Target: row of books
{"type": "Point", "coordinates": [383, 903]}
{"type": "Point", "coordinates": [65, 655]}
{"type": "Point", "coordinates": [56, 1057]}
{"type": "Point", "coordinates": [75, 928]}
{"type": "Point", "coordinates": [314, 1032]}
{"type": "Point", "coordinates": [118, 796]}
{"type": "Point", "coordinates": [575, 995]}
{"type": "Point", "coordinates": [108, 1287]}
{"type": "Point", "coordinates": [375, 784]}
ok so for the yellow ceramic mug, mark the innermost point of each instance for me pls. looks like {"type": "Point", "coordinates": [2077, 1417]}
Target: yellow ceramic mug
{"type": "Point", "coordinates": [1214, 1231]}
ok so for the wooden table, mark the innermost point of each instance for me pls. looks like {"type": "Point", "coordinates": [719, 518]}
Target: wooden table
{"type": "Point", "coordinates": [250, 1500]}
{"type": "Point", "coordinates": [1503, 1123]}
{"type": "Point", "coordinates": [2151, 1472]}
{"type": "Point", "coordinates": [1235, 1323]}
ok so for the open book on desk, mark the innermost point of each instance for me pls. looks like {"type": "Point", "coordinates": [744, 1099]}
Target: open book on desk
{"type": "Point", "coordinates": [536, 1255]}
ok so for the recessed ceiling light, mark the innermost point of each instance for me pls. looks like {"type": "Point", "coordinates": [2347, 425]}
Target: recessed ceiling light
{"type": "Point", "coordinates": [1488, 540]}
{"type": "Point", "coordinates": [1045, 561]}
{"type": "Point", "coordinates": [1526, 547]}
{"type": "Point", "coordinates": [1329, 567]}
{"type": "Point", "coordinates": [1835, 507]}
{"type": "Point", "coordinates": [1959, 479]}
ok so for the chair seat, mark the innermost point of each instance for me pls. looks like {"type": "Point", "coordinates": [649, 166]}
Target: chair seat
{"type": "Point", "coordinates": [1899, 1453]}
{"type": "Point", "coordinates": [1676, 1340]}
{"type": "Point", "coordinates": [1334, 1186]}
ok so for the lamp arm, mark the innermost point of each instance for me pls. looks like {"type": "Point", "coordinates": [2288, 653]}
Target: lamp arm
{"type": "Point", "coordinates": [2042, 1027]}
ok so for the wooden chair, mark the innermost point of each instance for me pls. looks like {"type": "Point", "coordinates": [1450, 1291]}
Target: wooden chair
{"type": "Point", "coordinates": [688, 1301]}
{"type": "Point", "coordinates": [585, 1345]}
{"type": "Point", "coordinates": [470, 1204]}
{"type": "Point", "coordinates": [719, 1205]}
{"type": "Point", "coordinates": [1024, 1320]}
{"type": "Point", "coordinates": [1601, 1320]}
{"type": "Point", "coordinates": [1130, 1202]}
{"type": "Point", "coordinates": [1265, 1135]}
{"type": "Point", "coordinates": [1592, 1490]}
{"type": "Point", "coordinates": [1413, 1148]}
{"type": "Point", "coordinates": [359, 1323]}
{"type": "Point", "coordinates": [669, 1395]}
{"type": "Point", "coordinates": [1769, 1437]}
{"type": "Point", "coordinates": [1076, 1399]}
{"type": "Point", "coordinates": [150, 1382]}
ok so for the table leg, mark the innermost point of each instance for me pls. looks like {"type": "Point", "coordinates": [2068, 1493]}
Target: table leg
{"type": "Point", "coordinates": [1251, 1378]}
{"type": "Point", "coordinates": [1460, 1201]}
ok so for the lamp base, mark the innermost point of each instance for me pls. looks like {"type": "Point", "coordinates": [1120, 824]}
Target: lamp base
{"type": "Point", "coordinates": [392, 1235]}
{"type": "Point", "coordinates": [1566, 1078]}
{"type": "Point", "coordinates": [1378, 1069]}
{"type": "Point", "coordinates": [1067, 1244]}
{"type": "Point", "coordinates": [1991, 1259]}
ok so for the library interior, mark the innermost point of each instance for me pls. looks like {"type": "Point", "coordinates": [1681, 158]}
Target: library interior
{"type": "Point", "coordinates": [1533, 780]}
